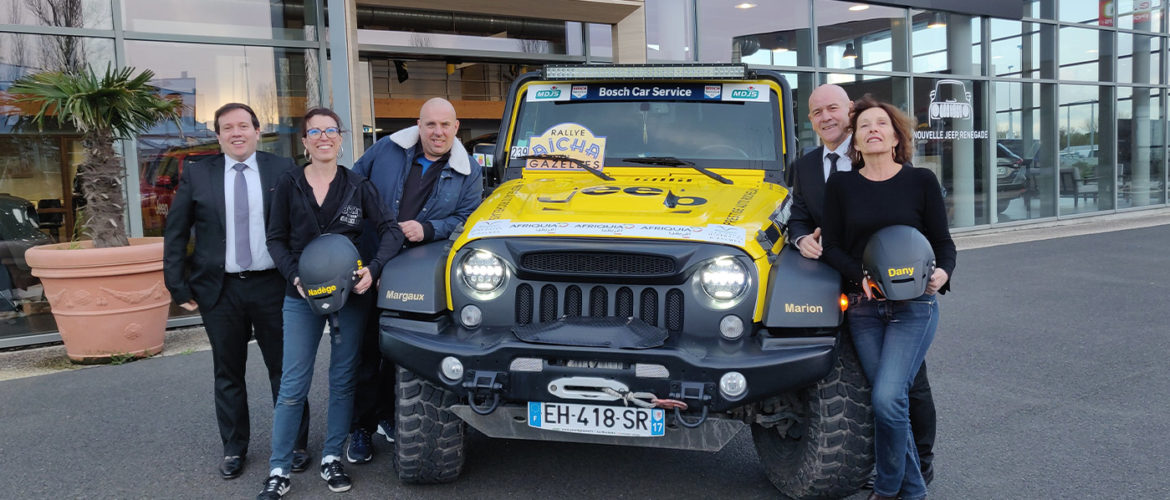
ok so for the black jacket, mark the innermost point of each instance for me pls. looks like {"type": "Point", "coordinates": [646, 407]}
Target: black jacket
{"type": "Point", "coordinates": [292, 223]}
{"type": "Point", "coordinates": [808, 194]}
{"type": "Point", "coordinates": [199, 205]}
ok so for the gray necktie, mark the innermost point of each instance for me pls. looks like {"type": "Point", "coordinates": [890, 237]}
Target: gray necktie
{"type": "Point", "coordinates": [832, 163]}
{"type": "Point", "coordinates": [243, 248]}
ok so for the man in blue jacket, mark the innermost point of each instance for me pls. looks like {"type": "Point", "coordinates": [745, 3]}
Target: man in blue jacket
{"type": "Point", "coordinates": [430, 185]}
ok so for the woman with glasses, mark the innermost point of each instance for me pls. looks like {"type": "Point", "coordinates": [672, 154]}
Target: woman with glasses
{"type": "Point", "coordinates": [321, 198]}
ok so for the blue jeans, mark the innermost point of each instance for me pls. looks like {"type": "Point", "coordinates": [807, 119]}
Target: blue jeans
{"type": "Point", "coordinates": [891, 338]}
{"type": "Point", "coordinates": [302, 334]}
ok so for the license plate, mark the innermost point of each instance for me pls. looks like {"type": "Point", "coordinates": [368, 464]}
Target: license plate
{"type": "Point", "coordinates": [596, 419]}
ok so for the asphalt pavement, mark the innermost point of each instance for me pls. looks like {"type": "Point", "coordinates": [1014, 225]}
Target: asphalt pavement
{"type": "Point", "coordinates": [1049, 373]}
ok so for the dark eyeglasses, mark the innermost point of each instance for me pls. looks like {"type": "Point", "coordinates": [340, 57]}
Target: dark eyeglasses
{"type": "Point", "coordinates": [331, 132]}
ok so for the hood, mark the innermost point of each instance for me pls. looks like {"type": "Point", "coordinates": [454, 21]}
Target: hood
{"type": "Point", "coordinates": [640, 203]}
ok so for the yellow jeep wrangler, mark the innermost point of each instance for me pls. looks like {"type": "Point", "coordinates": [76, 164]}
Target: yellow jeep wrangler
{"type": "Point", "coordinates": [628, 284]}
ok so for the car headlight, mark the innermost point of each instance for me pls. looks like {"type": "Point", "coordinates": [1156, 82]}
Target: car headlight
{"type": "Point", "coordinates": [724, 278]}
{"type": "Point", "coordinates": [482, 271]}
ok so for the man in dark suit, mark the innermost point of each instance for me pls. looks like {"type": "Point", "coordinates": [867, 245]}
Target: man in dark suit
{"type": "Point", "coordinates": [828, 110]}
{"type": "Point", "coordinates": [230, 278]}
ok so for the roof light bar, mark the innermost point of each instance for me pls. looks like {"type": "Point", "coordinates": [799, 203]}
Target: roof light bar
{"type": "Point", "coordinates": [640, 71]}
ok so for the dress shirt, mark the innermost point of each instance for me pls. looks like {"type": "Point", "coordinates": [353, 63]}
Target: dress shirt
{"type": "Point", "coordinates": [256, 234]}
{"type": "Point", "coordinates": [844, 164]}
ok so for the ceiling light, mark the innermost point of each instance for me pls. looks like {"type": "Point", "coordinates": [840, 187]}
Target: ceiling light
{"type": "Point", "coordinates": [1092, 51]}
{"type": "Point", "coordinates": [781, 49]}
{"type": "Point", "coordinates": [850, 52]}
{"type": "Point", "coordinates": [937, 20]}
{"type": "Point", "coordinates": [744, 5]}
{"type": "Point", "coordinates": [858, 8]}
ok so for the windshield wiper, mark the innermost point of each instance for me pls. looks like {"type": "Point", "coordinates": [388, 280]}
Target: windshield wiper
{"type": "Point", "coordinates": [671, 161]}
{"type": "Point", "coordinates": [569, 159]}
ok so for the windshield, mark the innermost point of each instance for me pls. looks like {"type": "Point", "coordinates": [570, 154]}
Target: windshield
{"type": "Point", "coordinates": [709, 132]}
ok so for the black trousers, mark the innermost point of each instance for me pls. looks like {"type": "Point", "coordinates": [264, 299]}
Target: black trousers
{"type": "Point", "coordinates": [923, 418]}
{"type": "Point", "coordinates": [246, 307]}
{"type": "Point", "coordinates": [376, 376]}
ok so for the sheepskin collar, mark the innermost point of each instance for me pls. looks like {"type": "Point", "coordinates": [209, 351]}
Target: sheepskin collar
{"type": "Point", "coordinates": [459, 160]}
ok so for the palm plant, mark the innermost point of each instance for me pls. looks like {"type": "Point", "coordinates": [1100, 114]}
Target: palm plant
{"type": "Point", "coordinates": [104, 109]}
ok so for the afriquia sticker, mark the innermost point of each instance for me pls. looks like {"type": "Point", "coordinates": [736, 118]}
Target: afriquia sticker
{"type": "Point", "coordinates": [548, 92]}
{"type": "Point", "coordinates": [566, 139]}
{"type": "Point", "coordinates": [746, 92]}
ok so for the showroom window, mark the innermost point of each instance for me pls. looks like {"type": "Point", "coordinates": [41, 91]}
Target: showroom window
{"type": "Point", "coordinates": [39, 201]}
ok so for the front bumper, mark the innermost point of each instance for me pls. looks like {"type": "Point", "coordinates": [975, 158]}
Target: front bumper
{"type": "Point", "coordinates": [693, 366]}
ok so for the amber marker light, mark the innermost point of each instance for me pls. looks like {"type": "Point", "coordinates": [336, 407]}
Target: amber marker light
{"type": "Point", "coordinates": [844, 302]}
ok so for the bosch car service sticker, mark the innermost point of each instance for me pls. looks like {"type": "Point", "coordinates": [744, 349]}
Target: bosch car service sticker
{"type": "Point", "coordinates": [712, 233]}
{"type": "Point", "coordinates": [566, 139]}
{"type": "Point", "coordinates": [746, 92]}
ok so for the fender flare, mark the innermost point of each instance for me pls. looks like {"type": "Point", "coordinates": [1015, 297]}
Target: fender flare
{"type": "Point", "coordinates": [802, 293]}
{"type": "Point", "coordinates": [414, 281]}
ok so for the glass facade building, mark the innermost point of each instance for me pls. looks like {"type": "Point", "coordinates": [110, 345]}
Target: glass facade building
{"type": "Point", "coordinates": [1042, 110]}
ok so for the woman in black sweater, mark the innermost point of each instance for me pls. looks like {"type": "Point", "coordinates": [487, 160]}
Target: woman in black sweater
{"type": "Point", "coordinates": [891, 337]}
{"type": "Point", "coordinates": [321, 198]}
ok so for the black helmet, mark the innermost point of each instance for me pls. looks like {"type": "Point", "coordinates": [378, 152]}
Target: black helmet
{"type": "Point", "coordinates": [899, 261]}
{"type": "Point", "coordinates": [328, 268]}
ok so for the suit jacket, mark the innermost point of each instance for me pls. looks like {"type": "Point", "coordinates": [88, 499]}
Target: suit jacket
{"type": "Point", "coordinates": [808, 194]}
{"type": "Point", "coordinates": [199, 205]}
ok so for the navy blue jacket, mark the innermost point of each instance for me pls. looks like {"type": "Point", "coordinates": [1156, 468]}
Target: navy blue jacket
{"type": "Point", "coordinates": [455, 196]}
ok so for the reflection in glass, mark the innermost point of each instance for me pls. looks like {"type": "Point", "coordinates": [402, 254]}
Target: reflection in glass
{"type": "Point", "coordinates": [58, 13]}
{"type": "Point", "coordinates": [1139, 58]}
{"type": "Point", "coordinates": [1083, 51]}
{"type": "Point", "coordinates": [39, 203]}
{"type": "Point", "coordinates": [1141, 15]}
{"type": "Point", "coordinates": [935, 34]}
{"type": "Point", "coordinates": [1086, 156]}
{"type": "Point", "coordinates": [670, 30]}
{"type": "Point", "coordinates": [877, 35]}
{"type": "Point", "coordinates": [1022, 171]}
{"type": "Point", "coordinates": [770, 33]}
{"type": "Point", "coordinates": [273, 81]}
{"type": "Point", "coordinates": [1140, 150]}
{"type": "Point", "coordinates": [22, 54]}
{"type": "Point", "coordinates": [268, 19]}
{"type": "Point", "coordinates": [950, 139]}
{"type": "Point", "coordinates": [601, 40]}
{"type": "Point", "coordinates": [1015, 49]}
{"type": "Point", "coordinates": [1080, 11]}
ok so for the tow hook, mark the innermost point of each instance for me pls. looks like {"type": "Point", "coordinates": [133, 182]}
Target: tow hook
{"type": "Point", "coordinates": [486, 384]}
{"type": "Point", "coordinates": [687, 392]}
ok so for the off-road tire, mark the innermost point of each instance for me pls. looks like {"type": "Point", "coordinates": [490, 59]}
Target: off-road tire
{"type": "Point", "coordinates": [428, 442]}
{"type": "Point", "coordinates": [828, 452]}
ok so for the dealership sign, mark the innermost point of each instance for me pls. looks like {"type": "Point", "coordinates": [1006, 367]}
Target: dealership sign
{"type": "Point", "coordinates": [950, 103]}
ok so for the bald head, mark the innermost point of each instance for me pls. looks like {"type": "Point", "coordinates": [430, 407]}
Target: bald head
{"type": "Point", "coordinates": [437, 127]}
{"type": "Point", "coordinates": [828, 110]}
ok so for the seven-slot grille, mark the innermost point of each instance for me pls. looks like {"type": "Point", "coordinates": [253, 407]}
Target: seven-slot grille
{"type": "Point", "coordinates": [598, 263]}
{"type": "Point", "coordinates": [657, 306]}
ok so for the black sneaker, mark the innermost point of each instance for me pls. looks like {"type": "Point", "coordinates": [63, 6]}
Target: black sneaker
{"type": "Point", "coordinates": [385, 428]}
{"type": "Point", "coordinates": [361, 448]}
{"type": "Point", "coordinates": [275, 488]}
{"type": "Point", "coordinates": [334, 475]}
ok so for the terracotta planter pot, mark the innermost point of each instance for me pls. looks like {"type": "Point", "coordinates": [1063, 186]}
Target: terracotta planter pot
{"type": "Point", "coordinates": [107, 301]}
